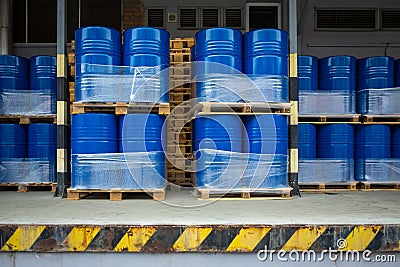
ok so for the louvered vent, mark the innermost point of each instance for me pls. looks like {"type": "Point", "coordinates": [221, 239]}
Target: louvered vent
{"type": "Point", "coordinates": [155, 17]}
{"type": "Point", "coordinates": [233, 18]}
{"type": "Point", "coordinates": [210, 17]}
{"type": "Point", "coordinates": [346, 19]}
{"type": "Point", "coordinates": [390, 19]}
{"type": "Point", "coordinates": [187, 18]}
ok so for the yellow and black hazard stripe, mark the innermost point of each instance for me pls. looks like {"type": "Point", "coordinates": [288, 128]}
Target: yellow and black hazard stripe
{"type": "Point", "coordinates": [214, 238]}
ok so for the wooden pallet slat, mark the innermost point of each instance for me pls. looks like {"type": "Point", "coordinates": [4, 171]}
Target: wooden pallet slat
{"type": "Point", "coordinates": [180, 43]}
{"type": "Point", "coordinates": [27, 187]}
{"type": "Point", "coordinates": [376, 186]}
{"type": "Point", "coordinates": [328, 187]}
{"type": "Point", "coordinates": [28, 119]}
{"type": "Point", "coordinates": [244, 193]}
{"type": "Point", "coordinates": [329, 118]}
{"type": "Point", "coordinates": [115, 194]}
{"type": "Point", "coordinates": [120, 108]}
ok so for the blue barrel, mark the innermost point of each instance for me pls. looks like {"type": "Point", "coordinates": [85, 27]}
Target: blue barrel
{"type": "Point", "coordinates": [336, 141]}
{"type": "Point", "coordinates": [12, 141]}
{"type": "Point", "coordinates": [146, 46]}
{"type": "Point", "coordinates": [93, 133]}
{"type": "Point", "coordinates": [307, 141]}
{"type": "Point", "coordinates": [220, 45]}
{"type": "Point", "coordinates": [14, 72]}
{"type": "Point", "coordinates": [266, 52]}
{"type": "Point", "coordinates": [267, 134]}
{"type": "Point", "coordinates": [43, 73]}
{"type": "Point", "coordinates": [372, 141]}
{"type": "Point", "coordinates": [97, 45]}
{"type": "Point", "coordinates": [42, 141]}
{"type": "Point", "coordinates": [141, 133]}
{"type": "Point", "coordinates": [193, 53]}
{"type": "Point", "coordinates": [337, 73]}
{"type": "Point", "coordinates": [375, 73]}
{"type": "Point", "coordinates": [149, 47]}
{"type": "Point", "coordinates": [395, 141]}
{"type": "Point", "coordinates": [397, 73]}
{"type": "Point", "coordinates": [307, 72]}
{"type": "Point", "coordinates": [221, 132]}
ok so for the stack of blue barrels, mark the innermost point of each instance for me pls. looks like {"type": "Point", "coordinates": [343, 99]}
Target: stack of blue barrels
{"type": "Point", "coordinates": [28, 154]}
{"type": "Point", "coordinates": [138, 73]}
{"type": "Point", "coordinates": [326, 153]}
{"type": "Point", "coordinates": [97, 50]}
{"type": "Point", "coordinates": [375, 76]}
{"type": "Point", "coordinates": [28, 88]}
{"type": "Point", "coordinates": [220, 52]}
{"type": "Point", "coordinates": [230, 149]}
{"type": "Point", "coordinates": [266, 63]}
{"type": "Point", "coordinates": [120, 152]}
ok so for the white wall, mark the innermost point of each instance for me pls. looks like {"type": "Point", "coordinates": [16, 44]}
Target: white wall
{"type": "Point", "coordinates": [310, 40]}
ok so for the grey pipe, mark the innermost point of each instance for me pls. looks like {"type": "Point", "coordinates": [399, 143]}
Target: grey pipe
{"type": "Point", "coordinates": [6, 16]}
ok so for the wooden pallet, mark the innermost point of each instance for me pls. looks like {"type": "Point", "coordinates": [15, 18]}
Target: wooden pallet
{"type": "Point", "coordinates": [204, 108]}
{"type": "Point", "coordinates": [27, 187]}
{"type": "Point", "coordinates": [329, 118]}
{"type": "Point", "coordinates": [71, 86]}
{"type": "Point", "coordinates": [179, 43]}
{"type": "Point", "coordinates": [114, 194]}
{"type": "Point", "coordinates": [171, 135]}
{"type": "Point", "coordinates": [25, 119]}
{"type": "Point", "coordinates": [328, 187]}
{"type": "Point", "coordinates": [71, 58]}
{"type": "Point", "coordinates": [120, 108]}
{"type": "Point", "coordinates": [181, 148]}
{"type": "Point", "coordinates": [73, 45]}
{"type": "Point", "coordinates": [72, 71]}
{"type": "Point", "coordinates": [372, 186]}
{"type": "Point", "coordinates": [204, 194]}
{"type": "Point", "coordinates": [179, 58]}
{"type": "Point", "coordinates": [380, 119]}
{"type": "Point", "coordinates": [177, 71]}
{"type": "Point", "coordinates": [180, 83]}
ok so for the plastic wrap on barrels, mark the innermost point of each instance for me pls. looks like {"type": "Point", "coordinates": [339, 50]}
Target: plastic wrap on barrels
{"type": "Point", "coordinates": [218, 169]}
{"type": "Point", "coordinates": [242, 87]}
{"type": "Point", "coordinates": [108, 83]}
{"type": "Point", "coordinates": [378, 170]}
{"type": "Point", "coordinates": [27, 102]}
{"type": "Point", "coordinates": [326, 170]}
{"type": "Point", "coordinates": [134, 170]}
{"type": "Point", "coordinates": [27, 170]}
{"type": "Point", "coordinates": [378, 101]}
{"type": "Point", "coordinates": [327, 102]}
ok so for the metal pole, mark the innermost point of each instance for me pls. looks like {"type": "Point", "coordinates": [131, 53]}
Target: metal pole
{"type": "Point", "coordinates": [294, 98]}
{"type": "Point", "coordinates": [62, 100]}
{"type": "Point", "coordinates": [6, 18]}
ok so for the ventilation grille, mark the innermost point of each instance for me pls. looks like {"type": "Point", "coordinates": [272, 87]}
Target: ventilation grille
{"type": "Point", "coordinates": [210, 18]}
{"type": "Point", "coordinates": [155, 17]}
{"type": "Point", "coordinates": [233, 18]}
{"type": "Point", "coordinates": [390, 19]}
{"type": "Point", "coordinates": [346, 19]}
{"type": "Point", "coordinates": [187, 18]}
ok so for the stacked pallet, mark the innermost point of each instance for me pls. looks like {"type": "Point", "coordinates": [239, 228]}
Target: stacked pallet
{"type": "Point", "coordinates": [179, 149]}
{"type": "Point", "coordinates": [71, 66]}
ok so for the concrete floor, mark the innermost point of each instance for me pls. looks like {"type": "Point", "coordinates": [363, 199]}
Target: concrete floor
{"type": "Point", "coordinates": [331, 209]}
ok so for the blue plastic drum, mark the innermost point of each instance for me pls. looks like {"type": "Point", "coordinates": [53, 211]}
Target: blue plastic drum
{"type": "Point", "coordinates": [93, 133]}
{"type": "Point", "coordinates": [373, 142]}
{"type": "Point", "coordinates": [141, 133]}
{"type": "Point", "coordinates": [307, 141]}
{"type": "Point", "coordinates": [336, 141]}
{"type": "Point", "coordinates": [375, 73]}
{"type": "Point", "coordinates": [307, 72]}
{"type": "Point", "coordinates": [42, 141]}
{"type": "Point", "coordinates": [267, 134]}
{"type": "Point", "coordinates": [337, 73]}
{"type": "Point", "coordinates": [14, 73]}
{"type": "Point", "coordinates": [12, 141]}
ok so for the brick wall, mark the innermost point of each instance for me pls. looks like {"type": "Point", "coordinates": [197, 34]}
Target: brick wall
{"type": "Point", "coordinates": [134, 13]}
